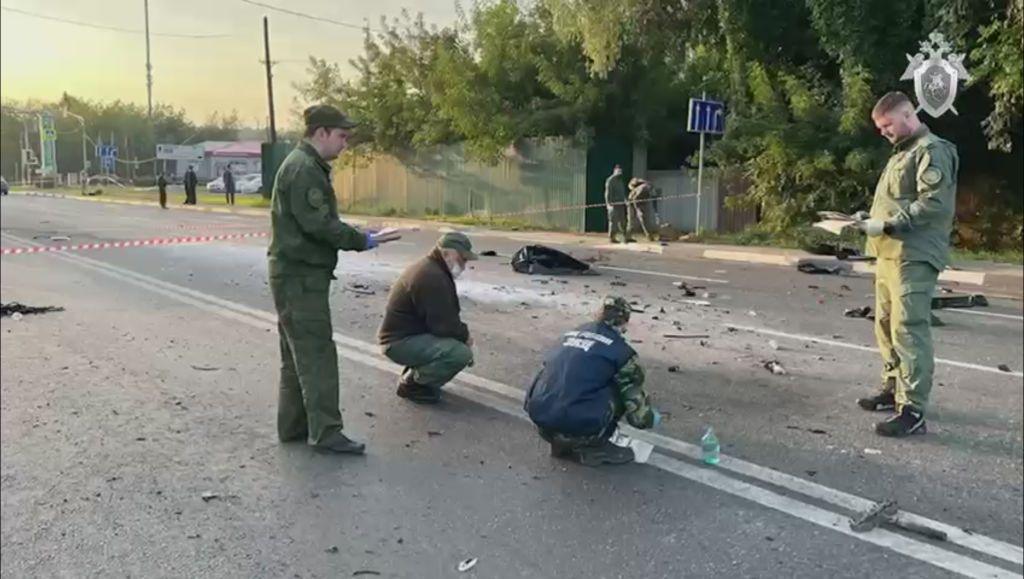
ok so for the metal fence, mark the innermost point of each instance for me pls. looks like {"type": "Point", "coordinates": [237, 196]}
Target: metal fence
{"type": "Point", "coordinates": [540, 182]}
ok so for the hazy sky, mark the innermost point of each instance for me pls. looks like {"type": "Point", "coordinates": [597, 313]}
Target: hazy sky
{"type": "Point", "coordinates": [43, 58]}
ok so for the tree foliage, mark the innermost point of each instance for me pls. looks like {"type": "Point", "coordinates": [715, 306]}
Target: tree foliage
{"type": "Point", "coordinates": [799, 79]}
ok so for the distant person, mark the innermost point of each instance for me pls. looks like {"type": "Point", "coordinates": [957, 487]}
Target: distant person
{"type": "Point", "coordinates": [161, 186]}
{"type": "Point", "coordinates": [229, 187]}
{"type": "Point", "coordinates": [588, 382]}
{"type": "Point", "coordinates": [191, 181]}
{"type": "Point", "coordinates": [641, 208]}
{"type": "Point", "coordinates": [615, 201]}
{"type": "Point", "coordinates": [422, 329]}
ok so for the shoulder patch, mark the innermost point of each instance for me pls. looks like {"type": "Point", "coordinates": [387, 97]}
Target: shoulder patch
{"type": "Point", "coordinates": [931, 176]}
{"type": "Point", "coordinates": [315, 197]}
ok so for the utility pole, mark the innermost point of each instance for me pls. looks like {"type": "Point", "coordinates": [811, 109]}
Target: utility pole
{"type": "Point", "coordinates": [270, 79]}
{"type": "Point", "coordinates": [149, 66]}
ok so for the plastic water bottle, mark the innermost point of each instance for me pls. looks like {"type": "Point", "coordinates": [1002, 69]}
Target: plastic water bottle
{"type": "Point", "coordinates": [709, 447]}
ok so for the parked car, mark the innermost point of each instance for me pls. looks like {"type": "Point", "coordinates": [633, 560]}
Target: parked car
{"type": "Point", "coordinates": [216, 186]}
{"type": "Point", "coordinates": [251, 183]}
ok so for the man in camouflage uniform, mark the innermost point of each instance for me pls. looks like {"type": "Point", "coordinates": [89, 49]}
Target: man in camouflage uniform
{"type": "Point", "coordinates": [589, 381]}
{"type": "Point", "coordinates": [615, 201]}
{"type": "Point", "coordinates": [641, 208]}
{"type": "Point", "coordinates": [306, 236]}
{"type": "Point", "coordinates": [908, 232]}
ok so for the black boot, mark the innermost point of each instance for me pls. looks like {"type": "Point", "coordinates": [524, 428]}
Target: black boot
{"type": "Point", "coordinates": [605, 453]}
{"type": "Point", "coordinates": [907, 422]}
{"type": "Point", "coordinates": [338, 443]}
{"type": "Point", "coordinates": [418, 393]}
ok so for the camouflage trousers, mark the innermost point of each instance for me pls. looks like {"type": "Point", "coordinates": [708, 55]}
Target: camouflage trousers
{"type": "Point", "coordinates": [569, 442]}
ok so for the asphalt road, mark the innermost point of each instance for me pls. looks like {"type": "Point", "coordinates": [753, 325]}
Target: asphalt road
{"type": "Point", "coordinates": [157, 384]}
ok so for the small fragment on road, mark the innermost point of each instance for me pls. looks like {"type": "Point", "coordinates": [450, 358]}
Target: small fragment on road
{"type": "Point", "coordinates": [435, 432]}
{"type": "Point", "coordinates": [467, 564]}
{"type": "Point", "coordinates": [489, 253]}
{"type": "Point", "coordinates": [823, 266]}
{"type": "Point", "coordinates": [1004, 368]}
{"type": "Point", "coordinates": [773, 344]}
{"type": "Point", "coordinates": [362, 572]}
{"type": "Point", "coordinates": [684, 336]}
{"type": "Point", "coordinates": [208, 496]}
{"type": "Point", "coordinates": [205, 368]}
{"type": "Point", "coordinates": [752, 314]}
{"type": "Point", "coordinates": [332, 549]}
{"type": "Point", "coordinates": [872, 451]}
{"type": "Point", "coordinates": [687, 291]}
{"type": "Point", "coordinates": [861, 312]}
{"type": "Point", "coordinates": [354, 288]}
{"type": "Point", "coordinates": [775, 367]}
{"type": "Point", "coordinates": [59, 238]}
{"type": "Point", "coordinates": [618, 283]}
{"type": "Point", "coordinates": [674, 369]}
{"type": "Point", "coordinates": [12, 308]}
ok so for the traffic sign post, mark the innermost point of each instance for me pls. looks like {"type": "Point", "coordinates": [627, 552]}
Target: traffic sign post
{"type": "Point", "coordinates": [705, 117]}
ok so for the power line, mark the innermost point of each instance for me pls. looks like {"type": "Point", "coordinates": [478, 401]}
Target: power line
{"type": "Point", "coordinates": [308, 16]}
{"type": "Point", "coordinates": [106, 27]}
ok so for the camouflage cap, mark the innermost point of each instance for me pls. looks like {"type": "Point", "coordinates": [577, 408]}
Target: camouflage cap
{"type": "Point", "coordinates": [458, 241]}
{"type": "Point", "coordinates": [615, 310]}
{"type": "Point", "coordinates": [326, 116]}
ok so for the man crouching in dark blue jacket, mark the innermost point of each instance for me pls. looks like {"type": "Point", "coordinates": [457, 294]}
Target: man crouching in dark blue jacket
{"type": "Point", "coordinates": [588, 382]}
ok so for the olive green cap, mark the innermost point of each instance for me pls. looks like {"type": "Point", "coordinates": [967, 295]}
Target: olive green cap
{"type": "Point", "coordinates": [326, 116]}
{"type": "Point", "coordinates": [458, 241]}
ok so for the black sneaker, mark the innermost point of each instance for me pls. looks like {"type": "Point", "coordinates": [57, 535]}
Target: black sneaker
{"type": "Point", "coordinates": [907, 422]}
{"type": "Point", "coordinates": [883, 401]}
{"type": "Point", "coordinates": [338, 443]}
{"type": "Point", "coordinates": [606, 453]}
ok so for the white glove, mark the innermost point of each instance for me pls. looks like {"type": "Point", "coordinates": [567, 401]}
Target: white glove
{"type": "Point", "coordinates": [872, 227]}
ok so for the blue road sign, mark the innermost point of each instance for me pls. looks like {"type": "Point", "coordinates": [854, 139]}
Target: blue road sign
{"type": "Point", "coordinates": [706, 117]}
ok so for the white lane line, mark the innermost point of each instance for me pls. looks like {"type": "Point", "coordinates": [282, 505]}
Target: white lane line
{"type": "Point", "coordinates": [827, 342]}
{"type": "Point", "coordinates": [980, 313]}
{"type": "Point", "coordinates": [368, 354]}
{"type": "Point", "coordinates": [662, 274]}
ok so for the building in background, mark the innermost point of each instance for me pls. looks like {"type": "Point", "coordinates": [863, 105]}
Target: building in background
{"type": "Point", "coordinates": [242, 156]}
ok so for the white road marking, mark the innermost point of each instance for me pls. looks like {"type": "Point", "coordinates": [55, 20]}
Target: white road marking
{"type": "Point", "coordinates": [838, 344]}
{"type": "Point", "coordinates": [981, 313]}
{"type": "Point", "coordinates": [662, 274]}
{"type": "Point", "coordinates": [368, 354]}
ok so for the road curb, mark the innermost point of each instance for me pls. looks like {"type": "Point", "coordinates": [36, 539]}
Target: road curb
{"type": "Point", "coordinates": [977, 278]}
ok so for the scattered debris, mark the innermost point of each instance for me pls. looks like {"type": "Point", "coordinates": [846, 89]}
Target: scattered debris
{"type": "Point", "coordinates": [861, 312]}
{"type": "Point", "coordinates": [685, 336]}
{"type": "Point", "coordinates": [955, 300]}
{"type": "Point", "coordinates": [362, 572]}
{"type": "Point", "coordinates": [872, 451]}
{"type": "Point", "coordinates": [668, 233]}
{"type": "Point", "coordinates": [775, 367]}
{"type": "Point", "coordinates": [489, 253]}
{"type": "Point", "coordinates": [9, 309]}
{"type": "Point", "coordinates": [674, 369]}
{"type": "Point", "coordinates": [370, 414]}
{"type": "Point", "coordinates": [539, 259]}
{"type": "Point", "coordinates": [752, 314]}
{"type": "Point", "coordinates": [17, 317]}
{"type": "Point", "coordinates": [435, 432]}
{"type": "Point", "coordinates": [707, 295]}
{"type": "Point", "coordinates": [687, 291]}
{"type": "Point", "coordinates": [887, 513]}
{"type": "Point", "coordinates": [360, 289]}
{"type": "Point", "coordinates": [59, 238]}
{"type": "Point", "coordinates": [467, 565]}
{"type": "Point", "coordinates": [618, 283]}
{"type": "Point", "coordinates": [773, 344]}
{"type": "Point", "coordinates": [209, 496]}
{"type": "Point", "coordinates": [811, 430]}
{"type": "Point", "coordinates": [814, 287]}
{"type": "Point", "coordinates": [845, 288]}
{"type": "Point", "coordinates": [1004, 368]}
{"type": "Point", "coordinates": [205, 368]}
{"type": "Point", "coordinates": [332, 549]}
{"type": "Point", "coordinates": [825, 266]}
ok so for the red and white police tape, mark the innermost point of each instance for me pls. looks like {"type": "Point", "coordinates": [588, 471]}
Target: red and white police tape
{"type": "Point", "coordinates": [132, 243]}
